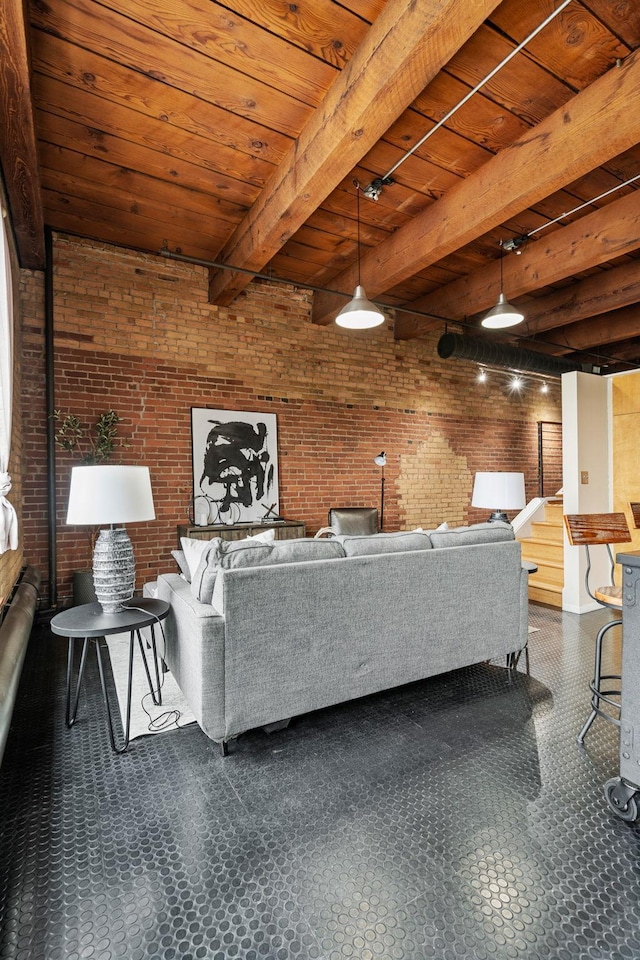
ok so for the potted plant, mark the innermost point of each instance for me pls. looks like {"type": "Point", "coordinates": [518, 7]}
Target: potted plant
{"type": "Point", "coordinates": [95, 444]}
{"type": "Point", "coordinates": [98, 444]}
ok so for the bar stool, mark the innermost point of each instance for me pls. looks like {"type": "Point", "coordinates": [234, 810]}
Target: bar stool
{"type": "Point", "coordinates": [588, 530]}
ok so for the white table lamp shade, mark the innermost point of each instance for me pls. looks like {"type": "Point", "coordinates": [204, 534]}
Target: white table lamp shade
{"type": "Point", "coordinates": [504, 491]}
{"type": "Point", "coordinates": [110, 495]}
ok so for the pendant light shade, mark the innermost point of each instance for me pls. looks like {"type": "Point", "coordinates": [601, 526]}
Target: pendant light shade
{"type": "Point", "coordinates": [504, 314]}
{"type": "Point", "coordinates": [360, 313]}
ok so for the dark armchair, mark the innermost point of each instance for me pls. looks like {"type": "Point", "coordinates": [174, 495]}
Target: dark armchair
{"type": "Point", "coordinates": [353, 521]}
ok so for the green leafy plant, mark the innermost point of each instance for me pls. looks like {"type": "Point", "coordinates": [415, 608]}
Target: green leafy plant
{"type": "Point", "coordinates": [96, 444]}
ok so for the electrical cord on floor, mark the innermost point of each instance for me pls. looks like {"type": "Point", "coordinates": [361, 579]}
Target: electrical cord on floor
{"type": "Point", "coordinates": [169, 718]}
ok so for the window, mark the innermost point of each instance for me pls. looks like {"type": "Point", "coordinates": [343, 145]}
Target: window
{"type": "Point", "coordinates": [8, 519]}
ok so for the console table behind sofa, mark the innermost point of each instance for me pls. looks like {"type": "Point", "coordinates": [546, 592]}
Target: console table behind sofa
{"type": "Point", "coordinates": [285, 530]}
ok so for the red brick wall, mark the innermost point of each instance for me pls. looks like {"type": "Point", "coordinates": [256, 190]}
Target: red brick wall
{"type": "Point", "coordinates": [135, 333]}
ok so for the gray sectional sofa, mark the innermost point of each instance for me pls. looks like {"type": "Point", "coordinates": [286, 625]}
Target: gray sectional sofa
{"type": "Point", "coordinates": [265, 632]}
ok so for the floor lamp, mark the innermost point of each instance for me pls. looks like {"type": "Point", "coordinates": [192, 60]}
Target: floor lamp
{"type": "Point", "coordinates": [381, 461]}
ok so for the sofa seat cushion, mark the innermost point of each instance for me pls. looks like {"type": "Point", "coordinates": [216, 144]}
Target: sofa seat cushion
{"type": "Point", "coordinates": [384, 543]}
{"type": "Point", "coordinates": [496, 532]}
{"type": "Point", "coordinates": [235, 554]}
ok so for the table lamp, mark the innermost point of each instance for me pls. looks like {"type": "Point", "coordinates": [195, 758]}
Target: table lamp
{"type": "Point", "coordinates": [499, 492]}
{"type": "Point", "coordinates": [111, 495]}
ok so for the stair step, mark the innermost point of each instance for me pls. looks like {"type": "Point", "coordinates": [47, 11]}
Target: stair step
{"type": "Point", "coordinates": [552, 573]}
{"type": "Point", "coordinates": [548, 531]}
{"type": "Point", "coordinates": [545, 548]}
{"type": "Point", "coordinates": [542, 591]}
{"type": "Point", "coordinates": [554, 558]}
{"type": "Point", "coordinates": [542, 550]}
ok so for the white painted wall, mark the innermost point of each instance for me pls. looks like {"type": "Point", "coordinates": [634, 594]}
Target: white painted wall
{"type": "Point", "coordinates": [586, 447]}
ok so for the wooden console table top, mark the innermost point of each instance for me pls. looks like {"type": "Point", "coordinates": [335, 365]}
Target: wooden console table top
{"type": "Point", "coordinates": [284, 529]}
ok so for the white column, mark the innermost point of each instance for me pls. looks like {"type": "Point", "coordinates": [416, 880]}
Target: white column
{"type": "Point", "coordinates": [586, 476]}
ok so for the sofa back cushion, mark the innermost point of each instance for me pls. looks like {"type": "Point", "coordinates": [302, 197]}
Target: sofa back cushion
{"type": "Point", "coordinates": [385, 543]}
{"type": "Point", "coordinates": [234, 554]}
{"type": "Point", "coordinates": [496, 532]}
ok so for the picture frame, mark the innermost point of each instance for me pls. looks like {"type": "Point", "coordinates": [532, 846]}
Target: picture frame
{"type": "Point", "coordinates": [235, 466]}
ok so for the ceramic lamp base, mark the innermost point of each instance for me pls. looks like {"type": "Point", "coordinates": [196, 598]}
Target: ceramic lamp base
{"type": "Point", "coordinates": [114, 569]}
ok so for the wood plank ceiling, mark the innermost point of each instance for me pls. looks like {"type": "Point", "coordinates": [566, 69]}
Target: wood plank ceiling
{"type": "Point", "coordinates": [233, 133]}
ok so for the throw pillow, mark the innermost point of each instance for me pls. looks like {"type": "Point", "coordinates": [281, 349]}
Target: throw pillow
{"type": "Point", "coordinates": [181, 560]}
{"type": "Point", "coordinates": [193, 550]}
{"type": "Point", "coordinates": [226, 554]}
{"type": "Point", "coordinates": [266, 536]}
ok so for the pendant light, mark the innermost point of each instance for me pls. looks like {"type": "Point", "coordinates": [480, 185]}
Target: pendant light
{"type": "Point", "coordinates": [359, 313]}
{"type": "Point", "coordinates": [504, 314]}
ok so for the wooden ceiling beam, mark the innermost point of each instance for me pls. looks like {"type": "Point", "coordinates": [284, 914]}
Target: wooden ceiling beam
{"type": "Point", "coordinates": [595, 332]}
{"type": "Point", "coordinates": [627, 350]}
{"type": "Point", "coordinates": [606, 291]}
{"type": "Point", "coordinates": [405, 48]}
{"type": "Point", "coordinates": [18, 154]}
{"type": "Point", "coordinates": [601, 236]}
{"type": "Point", "coordinates": [609, 290]}
{"type": "Point", "coordinates": [593, 127]}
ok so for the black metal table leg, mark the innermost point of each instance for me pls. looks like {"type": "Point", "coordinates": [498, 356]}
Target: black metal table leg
{"type": "Point", "coordinates": [123, 746]}
{"type": "Point", "coordinates": [156, 695]}
{"type": "Point", "coordinates": [90, 622]}
{"type": "Point", "coordinates": [71, 716]}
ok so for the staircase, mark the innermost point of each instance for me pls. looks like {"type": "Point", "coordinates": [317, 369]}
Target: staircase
{"type": "Point", "coordinates": [545, 548]}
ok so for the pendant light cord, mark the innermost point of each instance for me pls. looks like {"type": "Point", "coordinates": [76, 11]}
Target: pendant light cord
{"type": "Point", "coordinates": [357, 186]}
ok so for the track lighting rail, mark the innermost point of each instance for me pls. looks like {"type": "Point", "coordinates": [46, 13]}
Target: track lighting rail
{"type": "Point", "coordinates": [374, 189]}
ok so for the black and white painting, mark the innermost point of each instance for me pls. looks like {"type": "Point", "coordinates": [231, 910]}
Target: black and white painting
{"type": "Point", "coordinates": [235, 465]}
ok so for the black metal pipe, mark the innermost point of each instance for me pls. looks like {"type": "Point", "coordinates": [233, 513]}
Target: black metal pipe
{"type": "Point", "coordinates": [49, 403]}
{"type": "Point", "coordinates": [503, 355]}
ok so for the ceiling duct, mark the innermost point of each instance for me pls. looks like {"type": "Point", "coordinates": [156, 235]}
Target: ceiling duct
{"type": "Point", "coordinates": [502, 355]}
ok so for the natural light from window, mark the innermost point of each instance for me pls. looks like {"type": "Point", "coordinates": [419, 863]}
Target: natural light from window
{"type": "Point", "coordinates": [8, 519]}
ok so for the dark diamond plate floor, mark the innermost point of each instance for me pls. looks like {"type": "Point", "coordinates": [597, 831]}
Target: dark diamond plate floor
{"type": "Point", "coordinates": [452, 818]}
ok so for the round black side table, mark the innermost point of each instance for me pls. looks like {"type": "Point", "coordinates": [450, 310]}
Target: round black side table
{"type": "Point", "coordinates": [88, 622]}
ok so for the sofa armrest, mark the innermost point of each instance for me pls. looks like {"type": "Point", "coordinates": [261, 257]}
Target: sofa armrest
{"type": "Point", "coordinates": [195, 642]}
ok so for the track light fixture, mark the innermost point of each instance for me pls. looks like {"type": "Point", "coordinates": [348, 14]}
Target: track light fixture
{"type": "Point", "coordinates": [504, 314]}
{"type": "Point", "coordinates": [374, 189]}
{"type": "Point", "coordinates": [359, 313]}
{"type": "Point", "coordinates": [514, 243]}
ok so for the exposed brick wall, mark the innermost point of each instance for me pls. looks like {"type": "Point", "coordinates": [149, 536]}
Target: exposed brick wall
{"type": "Point", "coordinates": [550, 440]}
{"type": "Point", "coordinates": [34, 422]}
{"type": "Point", "coordinates": [135, 333]}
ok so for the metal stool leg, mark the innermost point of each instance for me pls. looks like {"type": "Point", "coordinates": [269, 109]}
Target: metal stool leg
{"type": "Point", "coordinates": [598, 694]}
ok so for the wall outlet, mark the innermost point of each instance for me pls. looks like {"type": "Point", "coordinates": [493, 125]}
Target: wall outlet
{"type": "Point", "coordinates": [584, 476]}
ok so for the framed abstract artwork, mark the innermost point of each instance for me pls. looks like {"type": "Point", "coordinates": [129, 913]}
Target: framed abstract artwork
{"type": "Point", "coordinates": [235, 465]}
